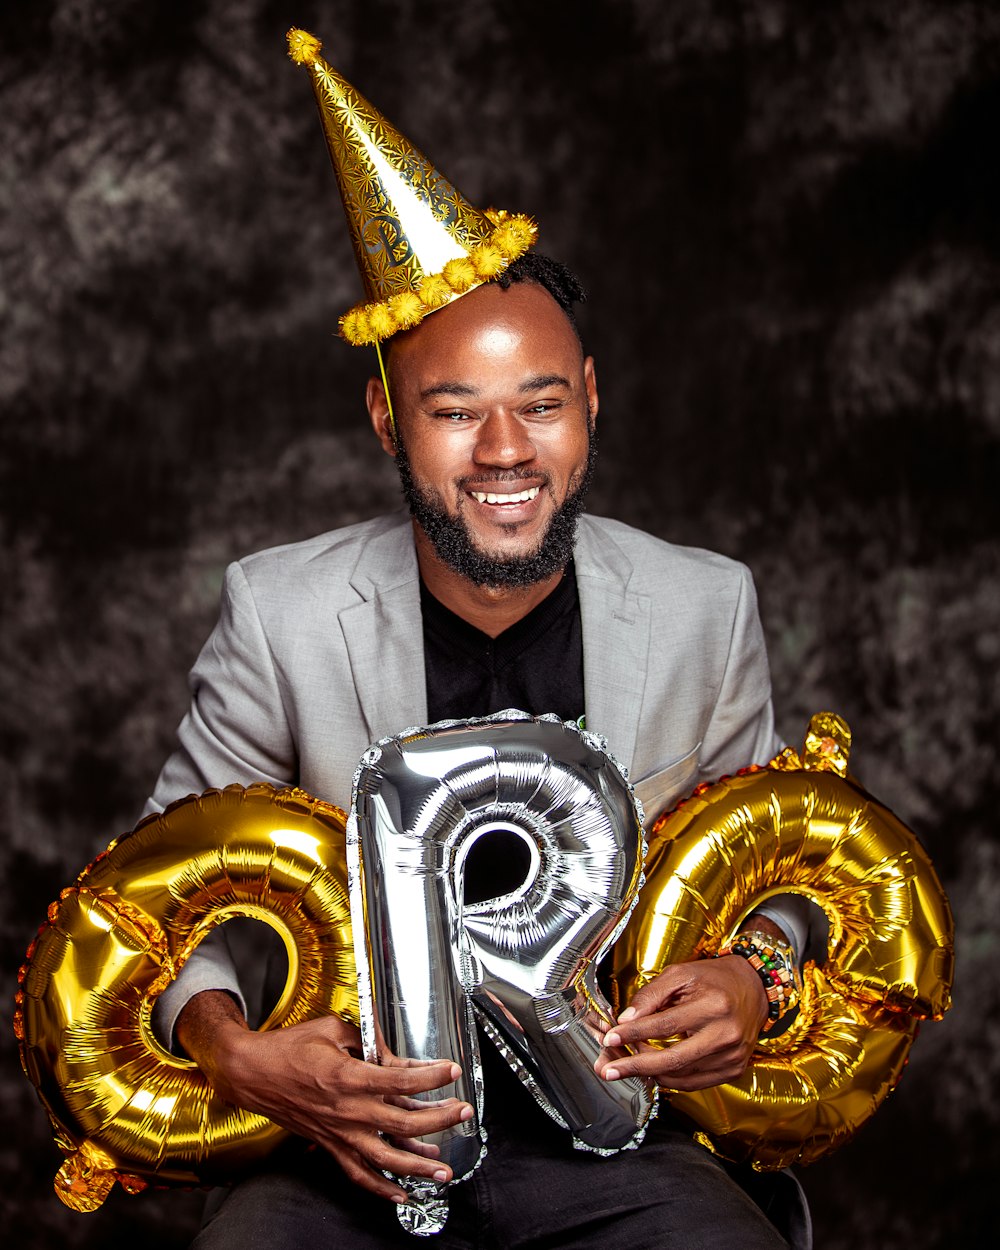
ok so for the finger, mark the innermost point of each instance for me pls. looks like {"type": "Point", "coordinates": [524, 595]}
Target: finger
{"type": "Point", "coordinates": [415, 1146]}
{"type": "Point", "coordinates": [410, 1103]}
{"type": "Point", "coordinates": [404, 1078]}
{"type": "Point", "coordinates": [389, 1060]}
{"type": "Point", "coordinates": [401, 1123]}
{"type": "Point", "coordinates": [683, 1056]}
{"type": "Point", "coordinates": [356, 1170]}
{"type": "Point", "coordinates": [688, 1065]}
{"type": "Point", "coordinates": [381, 1153]}
{"type": "Point", "coordinates": [688, 1018]}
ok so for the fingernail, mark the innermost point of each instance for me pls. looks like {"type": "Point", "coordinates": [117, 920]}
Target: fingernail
{"type": "Point", "coordinates": [456, 1071]}
{"type": "Point", "coordinates": [441, 1175]}
{"type": "Point", "coordinates": [611, 1074]}
{"type": "Point", "coordinates": [627, 1014]}
{"type": "Point", "coordinates": [466, 1113]}
{"type": "Point", "coordinates": [400, 1199]}
{"type": "Point", "coordinates": [612, 1039]}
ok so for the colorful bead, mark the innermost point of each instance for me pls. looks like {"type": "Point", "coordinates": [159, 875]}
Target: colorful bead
{"type": "Point", "coordinates": [776, 965]}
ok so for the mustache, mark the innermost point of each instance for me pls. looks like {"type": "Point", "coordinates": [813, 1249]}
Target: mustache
{"type": "Point", "coordinates": [503, 476]}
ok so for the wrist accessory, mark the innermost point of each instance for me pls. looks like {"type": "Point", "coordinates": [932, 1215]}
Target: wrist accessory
{"type": "Point", "coordinates": [775, 963]}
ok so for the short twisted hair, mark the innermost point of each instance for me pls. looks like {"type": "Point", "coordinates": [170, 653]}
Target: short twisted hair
{"type": "Point", "coordinates": [560, 282]}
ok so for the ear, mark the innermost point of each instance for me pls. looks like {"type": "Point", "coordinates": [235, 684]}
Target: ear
{"type": "Point", "coordinates": [378, 410]}
{"type": "Point", "coordinates": [590, 383]}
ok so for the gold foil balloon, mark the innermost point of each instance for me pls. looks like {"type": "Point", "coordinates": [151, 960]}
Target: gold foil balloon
{"type": "Point", "coordinates": [800, 827]}
{"type": "Point", "coordinates": [123, 1108]}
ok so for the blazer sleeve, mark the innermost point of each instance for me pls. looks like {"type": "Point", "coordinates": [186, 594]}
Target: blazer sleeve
{"type": "Point", "coordinates": [740, 729]}
{"type": "Point", "coordinates": [741, 732]}
{"type": "Point", "coordinates": [236, 730]}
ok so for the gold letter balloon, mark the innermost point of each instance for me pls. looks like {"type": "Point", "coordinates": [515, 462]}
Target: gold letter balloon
{"type": "Point", "coordinates": [124, 1109]}
{"type": "Point", "coordinates": [121, 1106]}
{"type": "Point", "coordinates": [800, 826]}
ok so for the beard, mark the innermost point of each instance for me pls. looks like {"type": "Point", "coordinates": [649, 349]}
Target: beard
{"type": "Point", "coordinates": [453, 543]}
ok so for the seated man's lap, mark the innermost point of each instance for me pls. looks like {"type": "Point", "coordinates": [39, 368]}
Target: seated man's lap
{"type": "Point", "coordinates": [533, 1191]}
{"type": "Point", "coordinates": [668, 1193]}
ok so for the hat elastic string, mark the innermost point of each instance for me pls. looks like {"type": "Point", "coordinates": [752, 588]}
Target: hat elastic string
{"type": "Point", "coordinates": [385, 387]}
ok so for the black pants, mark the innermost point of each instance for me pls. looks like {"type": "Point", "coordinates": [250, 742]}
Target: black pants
{"type": "Point", "coordinates": [533, 1191]}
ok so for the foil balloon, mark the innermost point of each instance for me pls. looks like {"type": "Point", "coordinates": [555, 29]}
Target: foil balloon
{"type": "Point", "coordinates": [525, 963]}
{"type": "Point", "coordinates": [121, 1106]}
{"type": "Point", "coordinates": [125, 1110]}
{"type": "Point", "coordinates": [800, 826]}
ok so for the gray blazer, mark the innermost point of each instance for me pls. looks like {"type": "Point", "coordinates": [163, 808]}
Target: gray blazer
{"type": "Point", "coordinates": [318, 652]}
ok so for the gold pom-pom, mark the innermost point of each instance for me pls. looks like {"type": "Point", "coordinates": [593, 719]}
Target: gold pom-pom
{"type": "Point", "coordinates": [382, 322]}
{"type": "Point", "coordinates": [487, 260]}
{"type": "Point", "coordinates": [406, 308]}
{"type": "Point", "coordinates": [514, 235]}
{"type": "Point", "coordinates": [459, 273]}
{"type": "Point", "coordinates": [496, 215]}
{"type": "Point", "coordinates": [505, 238]}
{"type": "Point", "coordinates": [303, 48]}
{"type": "Point", "coordinates": [434, 291]}
{"type": "Point", "coordinates": [355, 329]}
{"type": "Point", "coordinates": [526, 229]}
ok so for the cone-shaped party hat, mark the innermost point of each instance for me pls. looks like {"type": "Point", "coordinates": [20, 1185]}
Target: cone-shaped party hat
{"type": "Point", "coordinates": [419, 243]}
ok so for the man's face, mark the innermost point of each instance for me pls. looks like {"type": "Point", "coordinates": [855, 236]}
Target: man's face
{"type": "Point", "coordinates": [494, 406]}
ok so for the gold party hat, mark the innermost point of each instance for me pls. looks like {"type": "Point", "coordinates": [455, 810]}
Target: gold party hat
{"type": "Point", "coordinates": [419, 243]}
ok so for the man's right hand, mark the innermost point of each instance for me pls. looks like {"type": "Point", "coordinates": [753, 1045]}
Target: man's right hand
{"type": "Point", "coordinates": [310, 1079]}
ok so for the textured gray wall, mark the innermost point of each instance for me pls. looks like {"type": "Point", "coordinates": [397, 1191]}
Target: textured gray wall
{"type": "Point", "coordinates": [788, 219]}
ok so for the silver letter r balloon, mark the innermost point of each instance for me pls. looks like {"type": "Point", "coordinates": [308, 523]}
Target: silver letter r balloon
{"type": "Point", "coordinates": [524, 963]}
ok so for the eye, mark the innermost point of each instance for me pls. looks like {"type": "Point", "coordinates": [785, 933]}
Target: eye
{"type": "Point", "coordinates": [542, 408]}
{"type": "Point", "coordinates": [452, 416]}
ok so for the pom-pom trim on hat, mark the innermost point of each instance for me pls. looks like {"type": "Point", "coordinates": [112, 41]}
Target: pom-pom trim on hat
{"type": "Point", "coordinates": [512, 236]}
{"type": "Point", "coordinates": [303, 48]}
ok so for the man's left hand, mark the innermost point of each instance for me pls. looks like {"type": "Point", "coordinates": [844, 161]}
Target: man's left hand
{"type": "Point", "coordinates": [714, 1007]}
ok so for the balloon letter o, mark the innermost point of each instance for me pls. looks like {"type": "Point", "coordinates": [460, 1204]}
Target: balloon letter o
{"type": "Point", "coordinates": [122, 1107]}
{"type": "Point", "coordinates": [800, 827]}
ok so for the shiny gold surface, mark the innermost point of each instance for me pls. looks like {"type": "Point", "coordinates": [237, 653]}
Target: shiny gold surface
{"type": "Point", "coordinates": [125, 1110]}
{"type": "Point", "coordinates": [405, 218]}
{"type": "Point", "coordinates": [418, 241]}
{"type": "Point", "coordinates": [806, 829]}
{"type": "Point", "coordinates": [122, 1107]}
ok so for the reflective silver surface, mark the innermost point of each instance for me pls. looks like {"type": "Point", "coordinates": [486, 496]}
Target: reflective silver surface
{"type": "Point", "coordinates": [526, 961]}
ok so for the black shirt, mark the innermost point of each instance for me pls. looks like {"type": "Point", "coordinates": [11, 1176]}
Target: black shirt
{"type": "Point", "coordinates": [536, 666]}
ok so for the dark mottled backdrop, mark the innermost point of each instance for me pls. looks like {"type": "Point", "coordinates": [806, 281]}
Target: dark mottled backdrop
{"type": "Point", "coordinates": [788, 218]}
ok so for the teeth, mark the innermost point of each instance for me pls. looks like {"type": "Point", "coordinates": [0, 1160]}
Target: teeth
{"type": "Point", "coordinates": [522, 496]}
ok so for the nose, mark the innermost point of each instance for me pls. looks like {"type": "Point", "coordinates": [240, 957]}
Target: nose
{"type": "Point", "coordinates": [504, 441]}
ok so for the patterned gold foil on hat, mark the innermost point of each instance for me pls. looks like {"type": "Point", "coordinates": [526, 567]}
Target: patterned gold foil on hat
{"type": "Point", "coordinates": [419, 243]}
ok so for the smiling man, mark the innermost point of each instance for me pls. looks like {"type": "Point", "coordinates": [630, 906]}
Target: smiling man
{"type": "Point", "coordinates": [500, 409]}
{"type": "Point", "coordinates": [495, 590]}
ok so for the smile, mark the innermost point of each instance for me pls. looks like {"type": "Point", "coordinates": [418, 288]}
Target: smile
{"type": "Point", "coordinates": [521, 496]}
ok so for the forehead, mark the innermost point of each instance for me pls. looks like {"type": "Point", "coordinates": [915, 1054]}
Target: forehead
{"type": "Point", "coordinates": [490, 331]}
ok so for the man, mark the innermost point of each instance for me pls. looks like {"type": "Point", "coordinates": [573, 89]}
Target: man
{"type": "Point", "coordinates": [495, 593]}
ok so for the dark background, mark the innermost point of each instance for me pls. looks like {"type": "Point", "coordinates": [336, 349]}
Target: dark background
{"type": "Point", "coordinates": [787, 215]}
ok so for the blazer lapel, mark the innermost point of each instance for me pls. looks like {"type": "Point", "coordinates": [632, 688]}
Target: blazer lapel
{"type": "Point", "coordinates": [384, 636]}
{"type": "Point", "coordinates": [616, 628]}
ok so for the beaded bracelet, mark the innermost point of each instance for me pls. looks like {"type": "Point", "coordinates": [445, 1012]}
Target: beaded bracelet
{"type": "Point", "coordinates": [774, 962]}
